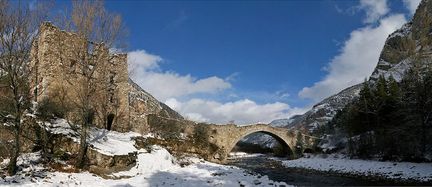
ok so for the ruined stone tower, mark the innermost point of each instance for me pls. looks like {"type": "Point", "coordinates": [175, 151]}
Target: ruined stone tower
{"type": "Point", "coordinates": [120, 104]}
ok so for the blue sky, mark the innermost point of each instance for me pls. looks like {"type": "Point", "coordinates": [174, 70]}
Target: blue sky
{"type": "Point", "coordinates": [253, 61]}
{"type": "Point", "coordinates": [270, 47]}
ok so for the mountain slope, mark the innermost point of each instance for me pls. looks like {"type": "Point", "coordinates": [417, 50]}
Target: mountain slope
{"type": "Point", "coordinates": [325, 110]}
{"type": "Point", "coordinates": [152, 105]}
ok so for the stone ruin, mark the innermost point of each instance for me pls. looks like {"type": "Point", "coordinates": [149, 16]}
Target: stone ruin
{"type": "Point", "coordinates": [122, 105]}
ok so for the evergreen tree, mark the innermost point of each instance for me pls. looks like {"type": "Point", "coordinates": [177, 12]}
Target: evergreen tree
{"type": "Point", "coordinates": [363, 112]}
{"type": "Point", "coordinates": [412, 90]}
{"type": "Point", "coordinates": [389, 119]}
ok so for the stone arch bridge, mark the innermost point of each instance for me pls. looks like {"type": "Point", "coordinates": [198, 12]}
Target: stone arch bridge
{"type": "Point", "coordinates": [215, 142]}
{"type": "Point", "coordinates": [225, 137]}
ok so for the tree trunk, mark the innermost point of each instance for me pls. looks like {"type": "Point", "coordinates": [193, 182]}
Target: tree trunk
{"type": "Point", "coordinates": [83, 146]}
{"type": "Point", "coordinates": [12, 167]}
{"type": "Point", "coordinates": [423, 140]}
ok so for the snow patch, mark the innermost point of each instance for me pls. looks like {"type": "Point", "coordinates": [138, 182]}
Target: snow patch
{"type": "Point", "coordinates": [60, 126]}
{"type": "Point", "coordinates": [112, 142]}
{"type": "Point", "coordinates": [396, 71]}
{"type": "Point", "coordinates": [405, 30]}
{"type": "Point", "coordinates": [159, 159]}
{"type": "Point", "coordinates": [102, 140]}
{"type": "Point", "coordinates": [234, 155]}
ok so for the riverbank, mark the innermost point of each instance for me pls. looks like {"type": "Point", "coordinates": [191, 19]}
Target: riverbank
{"type": "Point", "coordinates": [387, 173]}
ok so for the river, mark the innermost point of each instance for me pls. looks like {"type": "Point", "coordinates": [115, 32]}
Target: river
{"type": "Point", "coordinates": [299, 177]}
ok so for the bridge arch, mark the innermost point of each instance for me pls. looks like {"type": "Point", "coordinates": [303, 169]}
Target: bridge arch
{"type": "Point", "coordinates": [221, 139]}
{"type": "Point", "coordinates": [286, 148]}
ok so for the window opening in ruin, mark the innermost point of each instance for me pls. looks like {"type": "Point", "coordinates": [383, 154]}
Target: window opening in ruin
{"type": "Point", "coordinates": [111, 78]}
{"type": "Point", "coordinates": [111, 86]}
{"type": "Point", "coordinates": [72, 63]}
{"type": "Point", "coordinates": [111, 95]}
{"type": "Point", "coordinates": [110, 120]}
{"type": "Point", "coordinates": [72, 66]}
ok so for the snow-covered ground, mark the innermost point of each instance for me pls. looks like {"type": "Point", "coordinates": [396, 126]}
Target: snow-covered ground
{"type": "Point", "coordinates": [392, 170]}
{"type": "Point", "coordinates": [112, 142]}
{"type": "Point", "coordinates": [104, 141]}
{"type": "Point", "coordinates": [154, 168]}
{"type": "Point", "coordinates": [234, 155]}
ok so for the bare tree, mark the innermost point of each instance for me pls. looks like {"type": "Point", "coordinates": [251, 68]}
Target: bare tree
{"type": "Point", "coordinates": [18, 27]}
{"type": "Point", "coordinates": [91, 21]}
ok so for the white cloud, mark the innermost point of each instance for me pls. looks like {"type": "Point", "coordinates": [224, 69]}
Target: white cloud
{"type": "Point", "coordinates": [357, 59]}
{"type": "Point", "coordinates": [242, 111]}
{"type": "Point", "coordinates": [171, 87]}
{"type": "Point", "coordinates": [411, 5]}
{"type": "Point", "coordinates": [375, 9]}
{"type": "Point", "coordinates": [144, 68]}
{"type": "Point", "coordinates": [140, 61]}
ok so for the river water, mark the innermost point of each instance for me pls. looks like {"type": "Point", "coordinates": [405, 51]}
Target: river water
{"type": "Point", "coordinates": [298, 177]}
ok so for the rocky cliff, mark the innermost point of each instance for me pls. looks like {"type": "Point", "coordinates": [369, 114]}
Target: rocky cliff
{"type": "Point", "coordinates": [407, 46]}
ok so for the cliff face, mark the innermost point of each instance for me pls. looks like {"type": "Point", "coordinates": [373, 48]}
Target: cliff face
{"type": "Point", "coordinates": [407, 46]}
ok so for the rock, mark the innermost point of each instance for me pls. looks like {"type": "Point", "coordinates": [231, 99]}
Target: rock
{"type": "Point", "coordinates": [216, 156]}
{"type": "Point", "coordinates": [257, 182]}
{"type": "Point", "coordinates": [104, 165]}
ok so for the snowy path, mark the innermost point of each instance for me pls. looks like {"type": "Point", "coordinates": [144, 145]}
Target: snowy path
{"type": "Point", "coordinates": [392, 170]}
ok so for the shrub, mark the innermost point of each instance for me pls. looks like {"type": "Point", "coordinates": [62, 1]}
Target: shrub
{"type": "Point", "coordinates": [48, 109]}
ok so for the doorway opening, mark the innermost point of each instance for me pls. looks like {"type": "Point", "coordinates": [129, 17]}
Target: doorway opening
{"type": "Point", "coordinates": [110, 120]}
